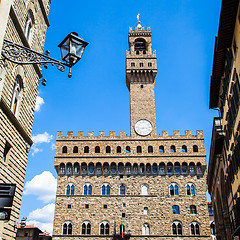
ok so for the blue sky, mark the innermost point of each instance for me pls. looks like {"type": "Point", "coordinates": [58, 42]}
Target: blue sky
{"type": "Point", "coordinates": [96, 97]}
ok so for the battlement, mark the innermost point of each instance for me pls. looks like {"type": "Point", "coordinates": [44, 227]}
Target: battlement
{"type": "Point", "coordinates": [141, 55]}
{"type": "Point", "coordinates": [112, 135]}
{"type": "Point", "coordinates": [139, 30]}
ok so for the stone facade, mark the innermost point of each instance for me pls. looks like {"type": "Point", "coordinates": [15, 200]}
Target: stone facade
{"type": "Point", "coordinates": [105, 182]}
{"type": "Point", "coordinates": [224, 161]}
{"type": "Point", "coordinates": [18, 92]}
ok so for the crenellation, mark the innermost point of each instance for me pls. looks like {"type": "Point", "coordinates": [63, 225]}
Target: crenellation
{"type": "Point", "coordinates": [70, 134]}
{"type": "Point", "coordinates": [80, 134]}
{"type": "Point", "coordinates": [188, 133]}
{"type": "Point", "coordinates": [200, 133]}
{"type": "Point", "coordinates": [101, 134]}
{"type": "Point", "coordinates": [164, 134]}
{"type": "Point", "coordinates": [176, 133]}
{"type": "Point", "coordinates": [59, 134]}
{"type": "Point", "coordinates": [90, 134]}
{"type": "Point", "coordinates": [112, 134]}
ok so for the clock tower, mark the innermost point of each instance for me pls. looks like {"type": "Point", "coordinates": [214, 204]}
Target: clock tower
{"type": "Point", "coordinates": [141, 71]}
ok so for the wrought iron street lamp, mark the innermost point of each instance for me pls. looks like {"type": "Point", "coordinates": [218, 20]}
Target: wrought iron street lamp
{"type": "Point", "coordinates": [72, 48]}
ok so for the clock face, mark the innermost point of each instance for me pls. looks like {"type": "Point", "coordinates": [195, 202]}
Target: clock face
{"type": "Point", "coordinates": [143, 127]}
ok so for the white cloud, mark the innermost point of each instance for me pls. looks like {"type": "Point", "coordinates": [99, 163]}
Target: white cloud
{"type": "Point", "coordinates": [44, 214]}
{"type": "Point", "coordinates": [42, 138]}
{"type": "Point", "coordinates": [43, 185]}
{"type": "Point", "coordinates": [39, 139]}
{"type": "Point", "coordinates": [42, 226]}
{"type": "Point", "coordinates": [53, 146]}
{"type": "Point", "coordinates": [39, 103]}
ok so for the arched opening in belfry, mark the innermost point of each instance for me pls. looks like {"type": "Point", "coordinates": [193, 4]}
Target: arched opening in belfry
{"type": "Point", "coordinates": [140, 45]}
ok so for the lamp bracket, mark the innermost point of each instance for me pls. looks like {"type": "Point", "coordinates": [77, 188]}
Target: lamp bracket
{"type": "Point", "coordinates": [22, 55]}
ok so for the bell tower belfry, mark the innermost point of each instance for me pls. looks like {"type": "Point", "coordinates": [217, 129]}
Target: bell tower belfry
{"type": "Point", "coordinates": [141, 71]}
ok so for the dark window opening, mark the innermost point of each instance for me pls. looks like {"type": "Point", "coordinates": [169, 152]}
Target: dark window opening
{"type": "Point", "coordinates": [97, 149]}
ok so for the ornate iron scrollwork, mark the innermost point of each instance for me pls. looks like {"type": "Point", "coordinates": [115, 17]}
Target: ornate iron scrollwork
{"type": "Point", "coordinates": [22, 55]}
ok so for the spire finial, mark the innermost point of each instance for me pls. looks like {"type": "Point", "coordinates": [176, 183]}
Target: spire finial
{"type": "Point", "coordinates": [139, 26]}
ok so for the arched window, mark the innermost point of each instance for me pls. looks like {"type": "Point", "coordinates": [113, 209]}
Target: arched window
{"type": "Point", "coordinates": [119, 150]}
{"type": "Point", "coordinates": [86, 228]}
{"type": "Point", "coordinates": [161, 149]}
{"type": "Point", "coordinates": [97, 149]}
{"type": "Point", "coordinates": [128, 168]}
{"type": "Point", "coordinates": [184, 148]}
{"type": "Point", "coordinates": [105, 189]}
{"type": "Point", "coordinates": [86, 149]}
{"type": "Point", "coordinates": [76, 168]}
{"type": "Point", "coordinates": [128, 149]}
{"type": "Point", "coordinates": [139, 149]}
{"type": "Point", "coordinates": [99, 168]}
{"type": "Point", "coordinates": [154, 168]}
{"type": "Point", "coordinates": [193, 209]}
{"type": "Point", "coordinates": [69, 169]}
{"type": "Point", "coordinates": [120, 168]}
{"type": "Point", "coordinates": [162, 168]}
{"type": "Point", "coordinates": [175, 209]}
{"type": "Point", "coordinates": [212, 226]}
{"type": "Point", "coordinates": [108, 149]}
{"type": "Point", "coordinates": [122, 189]}
{"type": "Point", "coordinates": [173, 189]}
{"type": "Point", "coordinates": [150, 149]}
{"type": "Point", "coordinates": [195, 148]}
{"type": "Point", "coordinates": [91, 168]}
{"type": "Point", "coordinates": [169, 168]}
{"type": "Point", "coordinates": [177, 168]}
{"type": "Point", "coordinates": [144, 189]}
{"type": "Point", "coordinates": [195, 228]}
{"type": "Point", "coordinates": [145, 211]}
{"type": "Point", "coordinates": [67, 228]}
{"type": "Point", "coordinates": [28, 26]}
{"type": "Point", "coordinates": [105, 168]}
{"type": "Point", "coordinates": [83, 168]}
{"type": "Point", "coordinates": [62, 169]}
{"type": "Point", "coordinates": [191, 168]}
{"type": "Point", "coordinates": [176, 228]}
{"type": "Point", "coordinates": [104, 228]}
{"type": "Point", "coordinates": [64, 149]}
{"type": "Point", "coordinates": [75, 149]}
{"type": "Point", "coordinates": [184, 168]}
{"type": "Point", "coordinates": [135, 168]}
{"type": "Point", "coordinates": [87, 189]}
{"type": "Point", "coordinates": [148, 168]}
{"type": "Point", "coordinates": [199, 168]}
{"type": "Point", "coordinates": [16, 97]}
{"type": "Point", "coordinates": [190, 189]}
{"type": "Point", "coordinates": [140, 44]}
{"type": "Point", "coordinates": [142, 168]}
{"type": "Point", "coordinates": [173, 149]}
{"type": "Point", "coordinates": [113, 168]}
{"type": "Point", "coordinates": [146, 229]}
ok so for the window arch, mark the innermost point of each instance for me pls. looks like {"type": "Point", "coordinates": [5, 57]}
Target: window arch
{"type": "Point", "coordinates": [76, 168]}
{"type": "Point", "coordinates": [162, 168]}
{"type": "Point", "coordinates": [69, 169]}
{"type": "Point", "coordinates": [75, 149]}
{"type": "Point", "coordinates": [105, 189]}
{"type": "Point", "coordinates": [86, 149]}
{"type": "Point", "coordinates": [140, 44]}
{"type": "Point", "coordinates": [193, 209]}
{"type": "Point", "coordinates": [190, 189]}
{"type": "Point", "coordinates": [128, 149]}
{"type": "Point", "coordinates": [86, 228]}
{"type": "Point", "coordinates": [122, 189]}
{"type": "Point", "coordinates": [155, 168]}
{"type": "Point", "coordinates": [148, 168]}
{"type": "Point", "coordinates": [108, 149]}
{"type": "Point", "coordinates": [64, 149]}
{"type": "Point", "coordinates": [195, 228]}
{"type": "Point", "coordinates": [177, 168]}
{"type": "Point", "coordinates": [62, 169]}
{"type": "Point", "coordinates": [173, 189]}
{"type": "Point", "coordinates": [146, 229]}
{"type": "Point", "coordinates": [169, 168]}
{"type": "Point", "coordinates": [87, 189]}
{"type": "Point", "coordinates": [195, 148]}
{"type": "Point", "coordinates": [139, 149]}
{"type": "Point", "coordinates": [150, 149]}
{"type": "Point", "coordinates": [192, 168]}
{"type": "Point", "coordinates": [175, 209]}
{"type": "Point", "coordinates": [144, 189]}
{"type": "Point", "coordinates": [97, 149]}
{"type": "Point", "coordinates": [113, 168]}
{"type": "Point", "coordinates": [128, 168]}
{"type": "Point", "coordinates": [70, 189]}
{"type": "Point", "coordinates": [145, 211]}
{"type": "Point", "coordinates": [161, 149]}
{"type": "Point", "coordinates": [173, 149]}
{"type": "Point", "coordinates": [104, 228]}
{"type": "Point", "coordinates": [176, 228]}
{"type": "Point", "coordinates": [184, 168]}
{"type": "Point", "coordinates": [67, 228]}
{"type": "Point", "coordinates": [199, 168]}
{"type": "Point", "coordinates": [184, 148]}
{"type": "Point", "coordinates": [29, 26]}
{"type": "Point", "coordinates": [119, 150]}
{"type": "Point", "coordinates": [16, 97]}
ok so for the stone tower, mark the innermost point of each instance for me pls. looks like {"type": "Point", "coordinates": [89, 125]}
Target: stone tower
{"type": "Point", "coordinates": [132, 187]}
{"type": "Point", "coordinates": [25, 23]}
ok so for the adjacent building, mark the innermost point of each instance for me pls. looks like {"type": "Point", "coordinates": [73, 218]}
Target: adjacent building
{"type": "Point", "coordinates": [132, 187]}
{"type": "Point", "coordinates": [24, 22]}
{"type": "Point", "coordinates": [224, 161]}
